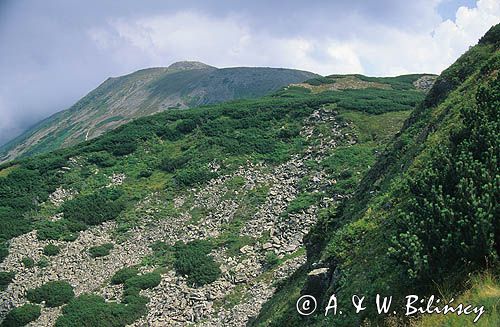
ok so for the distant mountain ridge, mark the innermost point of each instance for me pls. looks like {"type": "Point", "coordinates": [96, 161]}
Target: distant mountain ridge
{"type": "Point", "coordinates": [118, 100]}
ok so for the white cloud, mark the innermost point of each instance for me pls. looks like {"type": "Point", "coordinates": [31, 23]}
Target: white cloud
{"type": "Point", "coordinates": [226, 41]}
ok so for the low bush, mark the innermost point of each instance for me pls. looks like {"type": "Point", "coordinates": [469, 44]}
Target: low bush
{"type": "Point", "coordinates": [100, 250]}
{"type": "Point", "coordinates": [144, 281]}
{"type": "Point", "coordinates": [123, 274]}
{"type": "Point", "coordinates": [190, 177]}
{"type": "Point", "coordinates": [193, 260]}
{"type": "Point", "coordinates": [28, 262]}
{"type": "Point", "coordinates": [4, 251]}
{"type": "Point", "coordinates": [60, 230]}
{"type": "Point", "coordinates": [54, 293]}
{"type": "Point", "coordinates": [102, 159]}
{"type": "Point", "coordinates": [94, 208]}
{"type": "Point", "coordinates": [271, 259]}
{"type": "Point", "coordinates": [5, 279]}
{"type": "Point", "coordinates": [92, 310]}
{"type": "Point", "coordinates": [170, 164]}
{"type": "Point", "coordinates": [51, 250]}
{"type": "Point", "coordinates": [43, 262]}
{"type": "Point", "coordinates": [145, 173]}
{"type": "Point", "coordinates": [22, 315]}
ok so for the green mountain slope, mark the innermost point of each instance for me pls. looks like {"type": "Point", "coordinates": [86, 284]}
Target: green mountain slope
{"type": "Point", "coordinates": [423, 219]}
{"type": "Point", "coordinates": [189, 215]}
{"type": "Point", "coordinates": [119, 100]}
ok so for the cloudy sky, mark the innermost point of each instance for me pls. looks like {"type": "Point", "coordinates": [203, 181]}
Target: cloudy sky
{"type": "Point", "coordinates": [53, 52]}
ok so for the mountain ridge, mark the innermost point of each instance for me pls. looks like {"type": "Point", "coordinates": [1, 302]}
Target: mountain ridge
{"type": "Point", "coordinates": [118, 100]}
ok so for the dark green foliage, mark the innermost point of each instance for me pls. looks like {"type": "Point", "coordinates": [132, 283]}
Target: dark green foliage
{"type": "Point", "coordinates": [301, 203]}
{"type": "Point", "coordinates": [170, 164]}
{"type": "Point", "coordinates": [145, 173]}
{"type": "Point", "coordinates": [193, 260]}
{"type": "Point", "coordinates": [289, 131]}
{"type": "Point", "coordinates": [102, 159]}
{"type": "Point", "coordinates": [54, 293]}
{"type": "Point", "coordinates": [492, 36]}
{"type": "Point", "coordinates": [431, 198]}
{"type": "Point", "coordinates": [123, 274]}
{"type": "Point", "coordinates": [51, 249]}
{"type": "Point", "coordinates": [167, 133]}
{"type": "Point", "coordinates": [190, 177]}
{"type": "Point", "coordinates": [4, 251]}
{"type": "Point", "coordinates": [124, 148]}
{"type": "Point", "coordinates": [5, 279]}
{"type": "Point", "coordinates": [100, 250]}
{"type": "Point", "coordinates": [59, 230]}
{"type": "Point", "coordinates": [28, 262]}
{"type": "Point", "coordinates": [148, 280]}
{"type": "Point", "coordinates": [120, 142]}
{"type": "Point", "coordinates": [185, 126]}
{"type": "Point", "coordinates": [21, 191]}
{"type": "Point", "coordinates": [450, 219]}
{"type": "Point", "coordinates": [456, 74]}
{"type": "Point", "coordinates": [271, 259]}
{"type": "Point", "coordinates": [43, 262]}
{"type": "Point", "coordinates": [22, 315]}
{"type": "Point", "coordinates": [91, 310]}
{"type": "Point", "coordinates": [93, 209]}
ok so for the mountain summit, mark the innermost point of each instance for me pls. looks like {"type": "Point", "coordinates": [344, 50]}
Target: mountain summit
{"type": "Point", "coordinates": [187, 65]}
{"type": "Point", "coordinates": [118, 100]}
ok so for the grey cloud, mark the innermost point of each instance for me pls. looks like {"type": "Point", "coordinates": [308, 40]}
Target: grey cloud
{"type": "Point", "coordinates": [48, 59]}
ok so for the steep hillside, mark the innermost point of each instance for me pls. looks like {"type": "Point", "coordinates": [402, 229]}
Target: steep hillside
{"type": "Point", "coordinates": [187, 215]}
{"type": "Point", "coordinates": [424, 219]}
{"type": "Point", "coordinates": [119, 100]}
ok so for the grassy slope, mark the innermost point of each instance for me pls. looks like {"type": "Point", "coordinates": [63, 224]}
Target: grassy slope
{"type": "Point", "coordinates": [484, 290]}
{"type": "Point", "coordinates": [354, 240]}
{"type": "Point", "coordinates": [229, 134]}
{"type": "Point", "coordinates": [117, 100]}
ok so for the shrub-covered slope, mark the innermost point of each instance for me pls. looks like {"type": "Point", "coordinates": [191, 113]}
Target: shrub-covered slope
{"type": "Point", "coordinates": [425, 216]}
{"type": "Point", "coordinates": [121, 99]}
{"type": "Point", "coordinates": [197, 212]}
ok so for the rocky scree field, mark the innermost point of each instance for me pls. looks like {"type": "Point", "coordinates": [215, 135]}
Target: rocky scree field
{"type": "Point", "coordinates": [187, 217]}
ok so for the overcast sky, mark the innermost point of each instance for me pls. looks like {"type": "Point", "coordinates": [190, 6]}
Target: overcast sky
{"type": "Point", "coordinates": [53, 52]}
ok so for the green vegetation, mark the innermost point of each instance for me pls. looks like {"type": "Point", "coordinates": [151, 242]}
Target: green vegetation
{"type": "Point", "coordinates": [92, 310]}
{"type": "Point", "coordinates": [28, 262]}
{"type": "Point", "coordinates": [271, 259]}
{"type": "Point", "coordinates": [93, 209]}
{"type": "Point", "coordinates": [61, 230]}
{"type": "Point", "coordinates": [301, 203]}
{"type": "Point", "coordinates": [100, 250]}
{"type": "Point", "coordinates": [189, 87]}
{"type": "Point", "coordinates": [123, 274]}
{"type": "Point", "coordinates": [484, 291]}
{"type": "Point", "coordinates": [192, 260]}
{"type": "Point", "coordinates": [43, 262]}
{"type": "Point", "coordinates": [54, 293]}
{"type": "Point", "coordinates": [454, 190]}
{"type": "Point", "coordinates": [148, 280]}
{"type": "Point", "coordinates": [51, 250]}
{"type": "Point", "coordinates": [424, 217]}
{"type": "Point", "coordinates": [5, 278]}
{"type": "Point", "coordinates": [169, 153]}
{"type": "Point", "coordinates": [21, 316]}
{"type": "Point", "coordinates": [102, 159]}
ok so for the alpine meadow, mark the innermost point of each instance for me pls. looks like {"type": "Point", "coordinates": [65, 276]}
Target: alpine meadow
{"type": "Point", "coordinates": [201, 196]}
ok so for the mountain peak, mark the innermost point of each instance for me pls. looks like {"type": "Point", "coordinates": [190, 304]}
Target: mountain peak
{"type": "Point", "coordinates": [187, 65]}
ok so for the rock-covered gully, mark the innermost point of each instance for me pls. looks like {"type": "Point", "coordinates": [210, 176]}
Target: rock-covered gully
{"type": "Point", "coordinates": [173, 302]}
